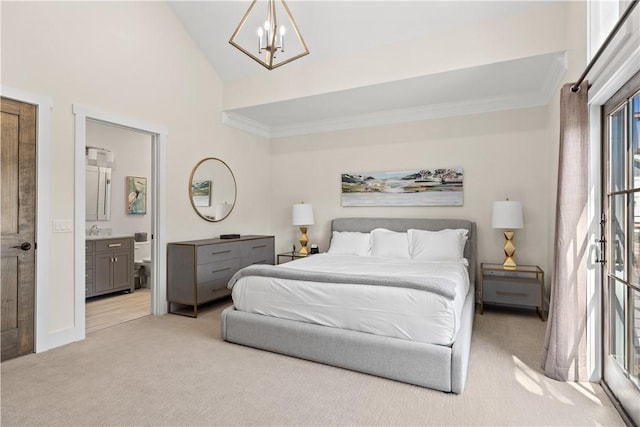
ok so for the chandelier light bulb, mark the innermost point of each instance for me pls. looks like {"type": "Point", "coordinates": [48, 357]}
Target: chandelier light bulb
{"type": "Point", "coordinates": [270, 35]}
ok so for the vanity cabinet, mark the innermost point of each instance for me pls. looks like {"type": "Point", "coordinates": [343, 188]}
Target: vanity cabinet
{"type": "Point", "coordinates": [198, 271]}
{"type": "Point", "coordinates": [109, 266]}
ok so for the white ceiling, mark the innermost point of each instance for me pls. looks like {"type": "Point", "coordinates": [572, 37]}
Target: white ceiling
{"type": "Point", "coordinates": [338, 27]}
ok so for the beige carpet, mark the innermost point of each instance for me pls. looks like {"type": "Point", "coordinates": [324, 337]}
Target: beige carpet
{"type": "Point", "coordinates": [173, 370]}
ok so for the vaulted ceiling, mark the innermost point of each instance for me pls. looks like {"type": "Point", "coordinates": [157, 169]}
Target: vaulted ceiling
{"type": "Point", "coordinates": [336, 28]}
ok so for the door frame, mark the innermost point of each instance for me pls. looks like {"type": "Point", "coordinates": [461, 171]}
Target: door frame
{"type": "Point", "coordinates": [44, 339]}
{"type": "Point", "coordinates": [614, 377]}
{"type": "Point", "coordinates": [623, 65]}
{"type": "Point", "coordinates": [158, 189]}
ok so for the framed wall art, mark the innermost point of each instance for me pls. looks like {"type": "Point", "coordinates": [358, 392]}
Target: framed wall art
{"type": "Point", "coordinates": [136, 195]}
{"type": "Point", "coordinates": [201, 193]}
{"type": "Point", "coordinates": [421, 187]}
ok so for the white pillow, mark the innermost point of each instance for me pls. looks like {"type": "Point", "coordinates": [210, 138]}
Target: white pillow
{"type": "Point", "coordinates": [349, 243]}
{"type": "Point", "coordinates": [389, 244]}
{"type": "Point", "coordinates": [443, 245]}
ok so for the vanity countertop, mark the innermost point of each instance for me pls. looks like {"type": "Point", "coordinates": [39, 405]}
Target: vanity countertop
{"type": "Point", "coordinates": [111, 236]}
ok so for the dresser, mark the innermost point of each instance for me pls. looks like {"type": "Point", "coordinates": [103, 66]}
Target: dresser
{"type": "Point", "coordinates": [108, 266]}
{"type": "Point", "coordinates": [198, 271]}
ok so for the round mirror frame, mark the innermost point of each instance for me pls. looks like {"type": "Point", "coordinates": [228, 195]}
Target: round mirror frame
{"type": "Point", "coordinates": [235, 189]}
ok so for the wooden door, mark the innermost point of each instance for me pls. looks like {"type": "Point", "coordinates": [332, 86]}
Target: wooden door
{"type": "Point", "coordinates": [17, 227]}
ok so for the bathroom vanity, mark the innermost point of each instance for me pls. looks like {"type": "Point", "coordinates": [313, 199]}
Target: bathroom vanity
{"type": "Point", "coordinates": [108, 265]}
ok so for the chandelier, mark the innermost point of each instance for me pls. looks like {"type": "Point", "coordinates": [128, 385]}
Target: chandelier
{"type": "Point", "coordinates": [262, 36]}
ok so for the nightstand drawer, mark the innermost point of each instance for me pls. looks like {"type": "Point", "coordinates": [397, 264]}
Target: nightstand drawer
{"type": "Point", "coordinates": [505, 290]}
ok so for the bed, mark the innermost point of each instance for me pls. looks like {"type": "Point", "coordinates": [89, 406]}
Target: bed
{"type": "Point", "coordinates": [402, 349]}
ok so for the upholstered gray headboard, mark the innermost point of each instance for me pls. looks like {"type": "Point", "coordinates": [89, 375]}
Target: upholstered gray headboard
{"type": "Point", "coordinates": [365, 225]}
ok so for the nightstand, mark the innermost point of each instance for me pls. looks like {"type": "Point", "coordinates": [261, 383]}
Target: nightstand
{"type": "Point", "coordinates": [519, 287]}
{"type": "Point", "coordinates": [290, 256]}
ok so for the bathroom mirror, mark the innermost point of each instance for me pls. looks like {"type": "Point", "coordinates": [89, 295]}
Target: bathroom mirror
{"type": "Point", "coordinates": [212, 189]}
{"type": "Point", "coordinates": [98, 193]}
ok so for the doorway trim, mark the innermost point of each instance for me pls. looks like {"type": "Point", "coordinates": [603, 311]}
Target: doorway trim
{"type": "Point", "coordinates": [44, 104]}
{"type": "Point", "coordinates": [158, 189]}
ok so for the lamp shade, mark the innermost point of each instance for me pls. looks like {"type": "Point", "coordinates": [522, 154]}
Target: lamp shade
{"type": "Point", "coordinates": [222, 210]}
{"type": "Point", "coordinates": [302, 214]}
{"type": "Point", "coordinates": [508, 215]}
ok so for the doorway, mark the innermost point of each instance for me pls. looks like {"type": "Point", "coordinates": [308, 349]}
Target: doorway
{"type": "Point", "coordinates": [621, 281]}
{"type": "Point", "coordinates": [116, 157]}
{"type": "Point", "coordinates": [18, 227]}
{"type": "Point", "coordinates": [157, 190]}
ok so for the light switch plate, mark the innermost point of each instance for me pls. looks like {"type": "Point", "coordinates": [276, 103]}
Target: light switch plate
{"type": "Point", "coordinates": [62, 226]}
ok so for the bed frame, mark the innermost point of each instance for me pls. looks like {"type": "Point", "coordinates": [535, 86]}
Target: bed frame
{"type": "Point", "coordinates": [428, 365]}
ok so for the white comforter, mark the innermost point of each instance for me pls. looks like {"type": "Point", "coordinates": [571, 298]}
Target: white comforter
{"type": "Point", "coordinates": [403, 313]}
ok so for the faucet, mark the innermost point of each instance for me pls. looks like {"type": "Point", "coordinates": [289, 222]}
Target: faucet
{"type": "Point", "coordinates": [94, 231]}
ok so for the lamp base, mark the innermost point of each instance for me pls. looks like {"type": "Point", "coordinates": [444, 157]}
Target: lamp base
{"type": "Point", "coordinates": [303, 241]}
{"type": "Point", "coordinates": [509, 251]}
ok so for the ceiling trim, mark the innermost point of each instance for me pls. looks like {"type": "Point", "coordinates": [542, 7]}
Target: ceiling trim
{"type": "Point", "coordinates": [409, 115]}
{"type": "Point", "coordinates": [388, 117]}
{"type": "Point", "coordinates": [541, 96]}
{"type": "Point", "coordinates": [239, 121]}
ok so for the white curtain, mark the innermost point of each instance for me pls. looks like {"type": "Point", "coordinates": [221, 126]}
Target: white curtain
{"type": "Point", "coordinates": [565, 355]}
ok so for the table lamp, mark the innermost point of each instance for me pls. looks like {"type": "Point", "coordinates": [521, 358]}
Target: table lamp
{"type": "Point", "coordinates": [507, 215]}
{"type": "Point", "coordinates": [302, 215]}
{"type": "Point", "coordinates": [222, 210]}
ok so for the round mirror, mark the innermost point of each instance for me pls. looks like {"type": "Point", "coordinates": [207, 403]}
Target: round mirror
{"type": "Point", "coordinates": [212, 189]}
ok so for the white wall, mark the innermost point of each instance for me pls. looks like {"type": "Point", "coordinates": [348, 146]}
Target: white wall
{"type": "Point", "coordinates": [132, 153]}
{"type": "Point", "coordinates": [133, 59]}
{"type": "Point", "coordinates": [503, 155]}
{"type": "Point", "coordinates": [537, 31]}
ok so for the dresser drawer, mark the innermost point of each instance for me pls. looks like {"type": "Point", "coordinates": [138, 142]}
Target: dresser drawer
{"type": "Point", "coordinates": [259, 251]}
{"type": "Point", "coordinates": [112, 245]}
{"type": "Point", "coordinates": [218, 270]}
{"type": "Point", "coordinates": [88, 245]}
{"type": "Point", "coordinates": [212, 290]}
{"type": "Point", "coordinates": [213, 253]}
{"type": "Point", "coordinates": [524, 292]}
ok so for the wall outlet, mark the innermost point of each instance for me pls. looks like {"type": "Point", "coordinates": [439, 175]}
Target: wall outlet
{"type": "Point", "coordinates": [62, 226]}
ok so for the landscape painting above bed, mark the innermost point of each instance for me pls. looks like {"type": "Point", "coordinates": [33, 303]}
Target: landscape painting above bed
{"type": "Point", "coordinates": [425, 187]}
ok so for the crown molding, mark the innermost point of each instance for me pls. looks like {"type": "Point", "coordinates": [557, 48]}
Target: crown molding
{"type": "Point", "coordinates": [390, 117]}
{"type": "Point", "coordinates": [538, 97]}
{"type": "Point", "coordinates": [554, 78]}
{"type": "Point", "coordinates": [241, 122]}
{"type": "Point", "coordinates": [406, 115]}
